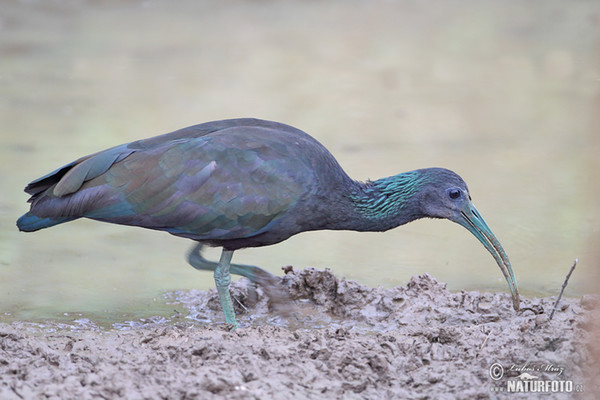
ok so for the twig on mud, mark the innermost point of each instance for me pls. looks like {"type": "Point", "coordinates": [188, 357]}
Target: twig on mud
{"type": "Point", "coordinates": [564, 285]}
{"type": "Point", "coordinates": [486, 339]}
{"type": "Point", "coordinates": [241, 304]}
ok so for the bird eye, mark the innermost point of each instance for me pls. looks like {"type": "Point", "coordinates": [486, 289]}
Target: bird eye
{"type": "Point", "coordinates": [453, 193]}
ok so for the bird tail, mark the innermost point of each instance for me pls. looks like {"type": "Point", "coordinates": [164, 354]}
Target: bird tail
{"type": "Point", "coordinates": [31, 223]}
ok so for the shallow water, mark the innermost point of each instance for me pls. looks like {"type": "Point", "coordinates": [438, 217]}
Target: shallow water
{"type": "Point", "coordinates": [506, 94]}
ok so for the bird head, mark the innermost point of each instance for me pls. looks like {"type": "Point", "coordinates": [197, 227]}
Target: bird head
{"type": "Point", "coordinates": [445, 195]}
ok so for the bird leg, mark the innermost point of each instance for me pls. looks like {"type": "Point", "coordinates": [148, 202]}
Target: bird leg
{"type": "Point", "coordinates": [222, 280]}
{"type": "Point", "coordinates": [255, 274]}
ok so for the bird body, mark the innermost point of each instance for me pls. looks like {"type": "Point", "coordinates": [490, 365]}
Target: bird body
{"type": "Point", "coordinates": [241, 183]}
{"type": "Point", "coordinates": [238, 183]}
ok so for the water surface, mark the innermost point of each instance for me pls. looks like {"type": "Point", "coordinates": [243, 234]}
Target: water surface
{"type": "Point", "coordinates": [504, 93]}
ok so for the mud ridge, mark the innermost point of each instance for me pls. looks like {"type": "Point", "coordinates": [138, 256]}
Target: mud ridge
{"type": "Point", "coordinates": [315, 336]}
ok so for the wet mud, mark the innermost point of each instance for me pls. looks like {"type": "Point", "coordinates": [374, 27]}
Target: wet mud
{"type": "Point", "coordinates": [315, 336]}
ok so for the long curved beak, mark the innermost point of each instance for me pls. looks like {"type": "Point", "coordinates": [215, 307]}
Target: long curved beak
{"type": "Point", "coordinates": [470, 218]}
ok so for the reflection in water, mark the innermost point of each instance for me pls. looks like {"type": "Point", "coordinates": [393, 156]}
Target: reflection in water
{"type": "Point", "coordinates": [504, 94]}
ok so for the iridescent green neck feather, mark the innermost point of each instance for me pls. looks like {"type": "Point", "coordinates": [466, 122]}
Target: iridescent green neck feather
{"type": "Point", "coordinates": [391, 201]}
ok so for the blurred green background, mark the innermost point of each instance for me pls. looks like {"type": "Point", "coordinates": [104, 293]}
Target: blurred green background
{"type": "Point", "coordinates": [507, 94]}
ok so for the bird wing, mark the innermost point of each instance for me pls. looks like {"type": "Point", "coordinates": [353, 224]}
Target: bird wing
{"type": "Point", "coordinates": [70, 177]}
{"type": "Point", "coordinates": [232, 183]}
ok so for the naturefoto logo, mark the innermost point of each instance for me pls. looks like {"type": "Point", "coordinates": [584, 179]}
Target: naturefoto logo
{"type": "Point", "coordinates": [531, 378]}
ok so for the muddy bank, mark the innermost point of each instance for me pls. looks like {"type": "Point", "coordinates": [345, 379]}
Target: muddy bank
{"type": "Point", "coordinates": [339, 339]}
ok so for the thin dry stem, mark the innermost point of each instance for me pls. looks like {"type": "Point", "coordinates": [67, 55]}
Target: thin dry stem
{"type": "Point", "coordinates": [564, 285]}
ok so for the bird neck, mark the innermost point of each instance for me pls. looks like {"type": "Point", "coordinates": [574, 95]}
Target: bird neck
{"type": "Point", "coordinates": [388, 202]}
